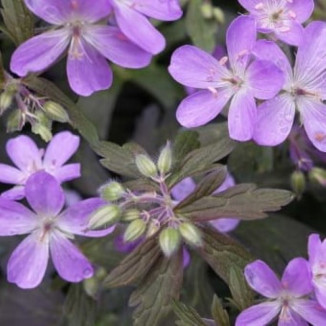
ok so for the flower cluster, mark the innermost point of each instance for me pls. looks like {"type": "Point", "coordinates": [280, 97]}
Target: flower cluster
{"type": "Point", "coordinates": [94, 31]}
{"type": "Point", "coordinates": [299, 297]}
{"type": "Point", "coordinates": [257, 71]}
{"type": "Point", "coordinates": [37, 178]}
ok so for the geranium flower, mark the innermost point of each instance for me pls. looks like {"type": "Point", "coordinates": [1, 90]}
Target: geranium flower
{"type": "Point", "coordinates": [49, 231]}
{"type": "Point", "coordinates": [131, 19]}
{"type": "Point", "coordinates": [288, 298]}
{"type": "Point", "coordinates": [89, 43]}
{"type": "Point", "coordinates": [29, 159]}
{"type": "Point", "coordinates": [304, 91]}
{"type": "Point", "coordinates": [281, 17]}
{"type": "Point", "coordinates": [246, 80]}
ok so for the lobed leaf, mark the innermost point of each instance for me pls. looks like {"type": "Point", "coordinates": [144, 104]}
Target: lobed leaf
{"type": "Point", "coordinates": [187, 315]}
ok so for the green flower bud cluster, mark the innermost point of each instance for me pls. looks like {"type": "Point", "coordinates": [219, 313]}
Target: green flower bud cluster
{"type": "Point", "coordinates": [55, 112]}
{"type": "Point", "coordinates": [105, 216]}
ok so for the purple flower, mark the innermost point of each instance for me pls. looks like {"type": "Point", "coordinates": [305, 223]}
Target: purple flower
{"type": "Point", "coordinates": [89, 44]}
{"type": "Point", "coordinates": [304, 90]}
{"type": "Point", "coordinates": [187, 186]}
{"type": "Point", "coordinates": [288, 298]}
{"type": "Point", "coordinates": [281, 17]}
{"type": "Point", "coordinates": [49, 231]}
{"type": "Point", "coordinates": [317, 261]}
{"type": "Point", "coordinates": [245, 80]}
{"type": "Point", "coordinates": [29, 159]}
{"type": "Point", "coordinates": [130, 17]}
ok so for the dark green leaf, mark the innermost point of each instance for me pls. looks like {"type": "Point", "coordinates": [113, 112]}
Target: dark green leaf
{"type": "Point", "coordinates": [154, 296]}
{"type": "Point", "coordinates": [18, 20]}
{"type": "Point", "coordinates": [205, 187]}
{"type": "Point", "coordinates": [202, 31]}
{"type": "Point", "coordinates": [244, 201]}
{"type": "Point", "coordinates": [137, 264]}
{"type": "Point", "coordinates": [79, 308]}
{"type": "Point", "coordinates": [187, 315]}
{"type": "Point", "coordinates": [220, 315]}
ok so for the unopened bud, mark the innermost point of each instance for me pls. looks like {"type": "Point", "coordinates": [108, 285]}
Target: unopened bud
{"type": "Point", "coordinates": [105, 215]}
{"type": "Point", "coordinates": [15, 121]}
{"type": "Point", "coordinates": [42, 130]}
{"type": "Point", "coordinates": [219, 15]}
{"type": "Point", "coordinates": [190, 233]}
{"type": "Point", "coordinates": [112, 191]}
{"type": "Point", "coordinates": [164, 162]}
{"type": "Point", "coordinates": [207, 10]}
{"type": "Point", "coordinates": [146, 166]}
{"type": "Point", "coordinates": [298, 182]}
{"type": "Point", "coordinates": [134, 230]}
{"type": "Point", "coordinates": [170, 240]}
{"type": "Point", "coordinates": [130, 215]}
{"type": "Point", "coordinates": [318, 175]}
{"type": "Point", "coordinates": [5, 101]}
{"type": "Point", "coordinates": [55, 111]}
{"type": "Point", "coordinates": [153, 227]}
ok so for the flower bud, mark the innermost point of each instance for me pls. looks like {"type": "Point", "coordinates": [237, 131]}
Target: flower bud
{"type": "Point", "coordinates": [318, 175]}
{"type": "Point", "coordinates": [298, 182]}
{"type": "Point", "coordinates": [112, 191]}
{"type": "Point", "coordinates": [169, 240]}
{"type": "Point", "coordinates": [15, 121]}
{"type": "Point", "coordinates": [42, 130]}
{"type": "Point", "coordinates": [153, 227]}
{"type": "Point", "coordinates": [105, 215]}
{"type": "Point", "coordinates": [219, 15]}
{"type": "Point", "coordinates": [190, 233]}
{"type": "Point", "coordinates": [164, 162]}
{"type": "Point", "coordinates": [207, 10]}
{"type": "Point", "coordinates": [55, 111]}
{"type": "Point", "coordinates": [5, 101]}
{"type": "Point", "coordinates": [130, 215]}
{"type": "Point", "coordinates": [134, 230]}
{"type": "Point", "coordinates": [146, 166]}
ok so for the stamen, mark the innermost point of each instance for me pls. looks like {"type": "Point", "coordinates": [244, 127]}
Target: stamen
{"type": "Point", "coordinates": [292, 14]}
{"type": "Point", "coordinates": [213, 90]}
{"type": "Point", "coordinates": [259, 6]}
{"type": "Point", "coordinates": [223, 60]}
{"type": "Point", "coordinates": [284, 29]}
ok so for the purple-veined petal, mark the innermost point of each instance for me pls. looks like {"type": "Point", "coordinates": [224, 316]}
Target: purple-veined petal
{"type": "Point", "coordinates": [269, 51]}
{"type": "Point", "coordinates": [53, 11]}
{"type": "Point", "coordinates": [87, 69]}
{"type": "Point", "coordinates": [293, 35]}
{"type": "Point", "coordinates": [259, 315]}
{"type": "Point", "coordinates": [193, 67]}
{"type": "Point", "coordinates": [28, 262]}
{"type": "Point", "coordinates": [249, 4]}
{"type": "Point", "coordinates": [24, 153]}
{"type": "Point", "coordinates": [39, 52]}
{"type": "Point", "coordinates": [90, 10]}
{"type": "Point", "coordinates": [167, 10]}
{"type": "Point", "coordinates": [310, 58]}
{"type": "Point", "coordinates": [265, 79]}
{"type": "Point", "coordinates": [11, 175]}
{"type": "Point", "coordinates": [242, 116]}
{"type": "Point", "coordinates": [274, 120]}
{"type": "Point", "coordinates": [183, 189]}
{"type": "Point", "coordinates": [314, 246]}
{"type": "Point", "coordinates": [75, 219]}
{"type": "Point", "coordinates": [44, 194]}
{"type": "Point", "coordinates": [262, 279]}
{"type": "Point", "coordinates": [225, 225]}
{"type": "Point", "coordinates": [138, 28]}
{"type": "Point", "coordinates": [15, 193]}
{"type": "Point", "coordinates": [301, 8]}
{"type": "Point", "coordinates": [62, 146]}
{"type": "Point", "coordinates": [69, 262]}
{"type": "Point", "coordinates": [202, 107]}
{"type": "Point", "coordinates": [240, 40]}
{"type": "Point", "coordinates": [116, 47]}
{"type": "Point", "coordinates": [67, 172]}
{"type": "Point", "coordinates": [288, 317]}
{"type": "Point", "coordinates": [311, 311]}
{"type": "Point", "coordinates": [16, 218]}
{"type": "Point", "coordinates": [297, 277]}
{"type": "Point", "coordinates": [313, 114]}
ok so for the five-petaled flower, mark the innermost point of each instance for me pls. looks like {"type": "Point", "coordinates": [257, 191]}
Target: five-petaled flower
{"type": "Point", "coordinates": [243, 81]}
{"type": "Point", "coordinates": [283, 18]}
{"type": "Point", "coordinates": [77, 27]}
{"type": "Point", "coordinates": [130, 17]}
{"type": "Point", "coordinates": [304, 90]}
{"type": "Point", "coordinates": [288, 298]}
{"type": "Point", "coordinates": [49, 232]}
{"type": "Point", "coordinates": [29, 159]}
